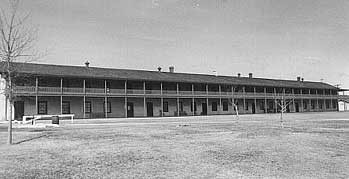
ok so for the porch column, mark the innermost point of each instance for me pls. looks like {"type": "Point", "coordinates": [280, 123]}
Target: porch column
{"type": "Point", "coordinates": [324, 107]}
{"type": "Point", "coordinates": [232, 99]}
{"type": "Point", "coordinates": [161, 100]}
{"type": "Point", "coordinates": [207, 98]}
{"type": "Point", "coordinates": [302, 104]}
{"type": "Point", "coordinates": [125, 107]}
{"type": "Point", "coordinates": [61, 95]}
{"type": "Point", "coordinates": [293, 104]}
{"type": "Point", "coordinates": [255, 100]}
{"type": "Point", "coordinates": [105, 99]}
{"type": "Point", "coordinates": [275, 102]}
{"type": "Point", "coordinates": [317, 101]}
{"type": "Point", "coordinates": [265, 101]}
{"type": "Point", "coordinates": [36, 95]}
{"type": "Point", "coordinates": [310, 104]}
{"type": "Point", "coordinates": [244, 98]}
{"type": "Point", "coordinates": [220, 99]}
{"type": "Point", "coordinates": [84, 91]}
{"type": "Point", "coordinates": [177, 98]}
{"type": "Point", "coordinates": [193, 100]}
{"type": "Point", "coordinates": [144, 101]}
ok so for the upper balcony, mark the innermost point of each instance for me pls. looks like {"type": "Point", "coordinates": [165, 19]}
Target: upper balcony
{"type": "Point", "coordinates": [32, 90]}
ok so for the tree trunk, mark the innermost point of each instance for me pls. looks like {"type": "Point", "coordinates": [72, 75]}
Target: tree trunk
{"type": "Point", "coordinates": [9, 139]}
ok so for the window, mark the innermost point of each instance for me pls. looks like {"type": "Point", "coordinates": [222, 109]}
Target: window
{"type": "Point", "coordinates": [225, 105]}
{"type": "Point", "coordinates": [42, 107]}
{"type": "Point", "coordinates": [305, 105]}
{"type": "Point", "coordinates": [165, 106]}
{"type": "Point", "coordinates": [246, 107]}
{"type": "Point", "coordinates": [334, 105]}
{"type": "Point", "coordinates": [214, 106]}
{"type": "Point", "coordinates": [261, 106]}
{"type": "Point", "coordinates": [327, 105]}
{"type": "Point", "coordinates": [191, 106]}
{"type": "Point", "coordinates": [65, 107]}
{"type": "Point", "coordinates": [320, 105]}
{"type": "Point", "coordinates": [108, 107]}
{"type": "Point", "coordinates": [88, 107]}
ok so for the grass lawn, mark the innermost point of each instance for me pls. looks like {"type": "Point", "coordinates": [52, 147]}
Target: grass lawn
{"type": "Point", "coordinates": [311, 145]}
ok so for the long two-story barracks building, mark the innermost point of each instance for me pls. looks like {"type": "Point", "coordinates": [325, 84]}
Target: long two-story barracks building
{"type": "Point", "coordinates": [90, 92]}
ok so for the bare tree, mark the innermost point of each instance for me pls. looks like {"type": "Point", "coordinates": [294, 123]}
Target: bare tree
{"type": "Point", "coordinates": [283, 104]}
{"type": "Point", "coordinates": [17, 40]}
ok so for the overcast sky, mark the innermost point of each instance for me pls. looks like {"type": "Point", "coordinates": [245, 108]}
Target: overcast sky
{"type": "Point", "coordinates": [270, 38]}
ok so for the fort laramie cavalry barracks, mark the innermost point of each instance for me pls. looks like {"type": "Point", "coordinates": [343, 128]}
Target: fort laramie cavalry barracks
{"type": "Point", "coordinates": [90, 92]}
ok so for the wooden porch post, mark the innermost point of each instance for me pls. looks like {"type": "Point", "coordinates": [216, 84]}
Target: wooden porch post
{"type": "Point", "coordinates": [125, 106]}
{"type": "Point", "coordinates": [255, 100]}
{"type": "Point", "coordinates": [192, 99]}
{"type": "Point", "coordinates": [36, 95]}
{"type": "Point", "coordinates": [293, 103]}
{"type": "Point", "coordinates": [220, 99]}
{"type": "Point", "coordinates": [61, 95]}
{"type": "Point", "coordinates": [244, 99]}
{"type": "Point", "coordinates": [162, 101]}
{"type": "Point", "coordinates": [84, 90]}
{"type": "Point", "coordinates": [105, 99]}
{"type": "Point", "coordinates": [177, 91]}
{"type": "Point", "coordinates": [265, 101]}
{"type": "Point", "coordinates": [144, 101]}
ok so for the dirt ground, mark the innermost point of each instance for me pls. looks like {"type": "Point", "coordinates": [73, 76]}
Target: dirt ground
{"type": "Point", "coordinates": [310, 145]}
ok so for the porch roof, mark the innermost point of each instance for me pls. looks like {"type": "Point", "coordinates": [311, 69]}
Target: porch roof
{"type": "Point", "coordinates": [143, 75]}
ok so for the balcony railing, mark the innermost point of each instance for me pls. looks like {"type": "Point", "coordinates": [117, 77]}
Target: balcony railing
{"type": "Point", "coordinates": [169, 92]}
{"type": "Point", "coordinates": [101, 91]}
{"type": "Point", "coordinates": [25, 89]}
{"type": "Point", "coordinates": [73, 90]}
{"type": "Point", "coordinates": [135, 91]}
{"type": "Point", "coordinates": [153, 92]}
{"type": "Point", "coordinates": [95, 90]}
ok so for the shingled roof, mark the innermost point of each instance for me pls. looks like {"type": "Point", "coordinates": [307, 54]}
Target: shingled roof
{"type": "Point", "coordinates": [125, 74]}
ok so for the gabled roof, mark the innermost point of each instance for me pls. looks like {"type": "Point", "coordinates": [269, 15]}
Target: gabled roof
{"type": "Point", "coordinates": [143, 75]}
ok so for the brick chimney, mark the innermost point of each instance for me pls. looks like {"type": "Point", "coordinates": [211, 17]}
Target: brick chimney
{"type": "Point", "coordinates": [250, 75]}
{"type": "Point", "coordinates": [171, 69]}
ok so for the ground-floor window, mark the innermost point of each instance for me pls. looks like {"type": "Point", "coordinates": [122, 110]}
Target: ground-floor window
{"type": "Point", "coordinates": [305, 105]}
{"type": "Point", "coordinates": [261, 106]}
{"type": "Point", "coordinates": [225, 105]}
{"type": "Point", "coordinates": [214, 106]}
{"type": "Point", "coordinates": [88, 107]}
{"type": "Point", "coordinates": [327, 105]}
{"type": "Point", "coordinates": [65, 107]}
{"type": "Point", "coordinates": [42, 107]}
{"type": "Point", "coordinates": [246, 106]}
{"type": "Point", "coordinates": [334, 104]}
{"type": "Point", "coordinates": [320, 105]}
{"type": "Point", "coordinates": [165, 106]}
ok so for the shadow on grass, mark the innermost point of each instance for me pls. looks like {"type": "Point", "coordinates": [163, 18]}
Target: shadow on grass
{"type": "Point", "coordinates": [30, 139]}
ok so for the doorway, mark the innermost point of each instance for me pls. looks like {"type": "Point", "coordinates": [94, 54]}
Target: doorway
{"type": "Point", "coordinates": [130, 112]}
{"type": "Point", "coordinates": [253, 108]}
{"type": "Point", "coordinates": [297, 107]}
{"type": "Point", "coordinates": [19, 109]}
{"type": "Point", "coordinates": [204, 108]}
{"type": "Point", "coordinates": [150, 109]}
